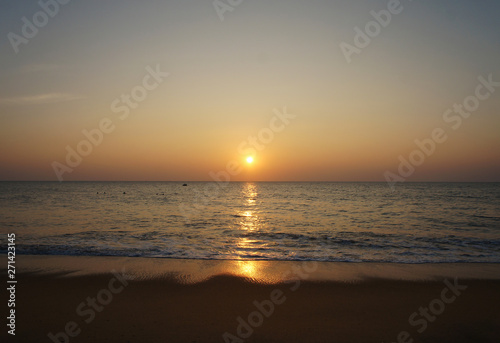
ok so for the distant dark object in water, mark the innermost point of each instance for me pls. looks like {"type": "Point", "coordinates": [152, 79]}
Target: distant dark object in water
{"type": "Point", "coordinates": [185, 184]}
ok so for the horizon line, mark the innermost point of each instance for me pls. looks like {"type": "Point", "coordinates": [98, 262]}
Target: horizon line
{"type": "Point", "coordinates": [247, 181]}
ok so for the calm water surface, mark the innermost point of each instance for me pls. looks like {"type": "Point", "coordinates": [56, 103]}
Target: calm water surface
{"type": "Point", "coordinates": [419, 222]}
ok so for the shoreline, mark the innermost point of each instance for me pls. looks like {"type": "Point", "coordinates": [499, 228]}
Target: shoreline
{"type": "Point", "coordinates": [266, 272]}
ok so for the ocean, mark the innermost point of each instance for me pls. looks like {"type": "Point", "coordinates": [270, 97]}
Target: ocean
{"type": "Point", "coordinates": [314, 221]}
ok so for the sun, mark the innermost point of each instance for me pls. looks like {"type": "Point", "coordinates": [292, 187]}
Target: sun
{"type": "Point", "coordinates": [249, 159]}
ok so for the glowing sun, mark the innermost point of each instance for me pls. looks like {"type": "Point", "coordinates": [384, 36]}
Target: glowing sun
{"type": "Point", "coordinates": [249, 159]}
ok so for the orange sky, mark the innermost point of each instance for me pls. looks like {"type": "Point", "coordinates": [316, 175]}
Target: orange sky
{"type": "Point", "coordinates": [226, 80]}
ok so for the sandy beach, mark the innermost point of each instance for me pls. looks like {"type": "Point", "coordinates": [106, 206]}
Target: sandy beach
{"type": "Point", "coordinates": [104, 299]}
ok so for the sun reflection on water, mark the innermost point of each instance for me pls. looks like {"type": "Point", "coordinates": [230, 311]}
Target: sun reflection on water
{"type": "Point", "coordinates": [248, 215]}
{"type": "Point", "coordinates": [249, 222]}
{"type": "Point", "coordinates": [247, 269]}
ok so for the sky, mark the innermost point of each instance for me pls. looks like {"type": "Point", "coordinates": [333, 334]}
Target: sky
{"type": "Point", "coordinates": [187, 90]}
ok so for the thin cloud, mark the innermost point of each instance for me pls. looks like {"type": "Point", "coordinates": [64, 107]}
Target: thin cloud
{"type": "Point", "coordinates": [48, 98]}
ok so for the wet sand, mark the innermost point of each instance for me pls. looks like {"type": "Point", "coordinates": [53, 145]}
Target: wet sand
{"type": "Point", "coordinates": [161, 300]}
